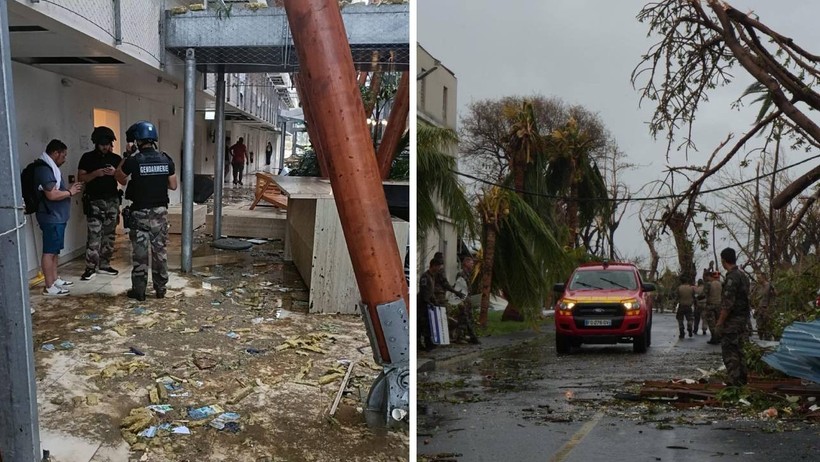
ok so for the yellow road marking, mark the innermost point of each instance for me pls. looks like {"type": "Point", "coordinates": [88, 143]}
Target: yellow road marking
{"type": "Point", "coordinates": [576, 439]}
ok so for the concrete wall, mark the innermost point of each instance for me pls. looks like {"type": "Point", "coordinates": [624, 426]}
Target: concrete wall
{"type": "Point", "coordinates": [430, 104]}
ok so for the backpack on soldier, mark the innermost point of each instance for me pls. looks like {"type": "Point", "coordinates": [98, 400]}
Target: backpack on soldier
{"type": "Point", "coordinates": [31, 192]}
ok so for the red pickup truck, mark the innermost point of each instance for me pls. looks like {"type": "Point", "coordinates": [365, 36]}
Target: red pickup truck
{"type": "Point", "coordinates": [604, 303]}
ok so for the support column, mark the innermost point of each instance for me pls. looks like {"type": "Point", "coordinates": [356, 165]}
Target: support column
{"type": "Point", "coordinates": [188, 162]}
{"type": "Point", "coordinates": [396, 123]}
{"type": "Point", "coordinates": [328, 75]}
{"type": "Point", "coordinates": [219, 165]}
{"type": "Point", "coordinates": [19, 425]}
{"type": "Point", "coordinates": [282, 145]}
{"type": "Point", "coordinates": [293, 139]}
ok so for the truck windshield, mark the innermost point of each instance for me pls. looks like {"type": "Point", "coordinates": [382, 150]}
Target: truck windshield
{"type": "Point", "coordinates": [603, 279]}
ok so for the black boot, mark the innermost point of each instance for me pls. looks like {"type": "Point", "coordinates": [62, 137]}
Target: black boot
{"type": "Point", "coordinates": [681, 335]}
{"type": "Point", "coordinates": [161, 292]}
{"type": "Point", "coordinates": [136, 294]}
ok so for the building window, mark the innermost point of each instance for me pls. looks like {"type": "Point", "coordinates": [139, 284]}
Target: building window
{"type": "Point", "coordinates": [444, 106]}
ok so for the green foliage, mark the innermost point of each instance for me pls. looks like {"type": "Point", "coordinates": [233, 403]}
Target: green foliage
{"type": "Point", "coordinates": [437, 182]}
{"type": "Point", "coordinates": [308, 165]}
{"type": "Point", "coordinates": [796, 290]}
{"type": "Point", "coordinates": [497, 327]}
{"type": "Point", "coordinates": [400, 170]}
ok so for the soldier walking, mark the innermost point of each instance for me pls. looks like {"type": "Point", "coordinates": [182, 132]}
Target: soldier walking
{"type": "Point", "coordinates": [734, 315]}
{"type": "Point", "coordinates": [686, 299]}
{"type": "Point", "coordinates": [101, 202]}
{"type": "Point", "coordinates": [152, 175]}
{"type": "Point", "coordinates": [712, 290]}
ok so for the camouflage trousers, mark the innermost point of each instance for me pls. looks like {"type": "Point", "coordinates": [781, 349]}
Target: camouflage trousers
{"type": "Point", "coordinates": [150, 230]}
{"type": "Point", "coordinates": [102, 218]}
{"type": "Point", "coordinates": [710, 316]}
{"type": "Point", "coordinates": [684, 312]}
{"type": "Point", "coordinates": [732, 337]}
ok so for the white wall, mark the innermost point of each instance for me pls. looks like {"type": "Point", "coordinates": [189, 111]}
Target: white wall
{"type": "Point", "coordinates": [47, 109]}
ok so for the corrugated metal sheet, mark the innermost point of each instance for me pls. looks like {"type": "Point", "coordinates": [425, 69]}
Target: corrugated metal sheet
{"type": "Point", "coordinates": [799, 352]}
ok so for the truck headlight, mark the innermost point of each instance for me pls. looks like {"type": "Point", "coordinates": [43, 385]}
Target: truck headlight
{"type": "Point", "coordinates": [632, 307]}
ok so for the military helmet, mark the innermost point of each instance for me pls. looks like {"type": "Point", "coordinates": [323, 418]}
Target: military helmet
{"type": "Point", "coordinates": [141, 131]}
{"type": "Point", "coordinates": [102, 135]}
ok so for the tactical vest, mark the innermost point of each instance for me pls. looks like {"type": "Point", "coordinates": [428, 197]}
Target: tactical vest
{"type": "Point", "coordinates": [148, 186]}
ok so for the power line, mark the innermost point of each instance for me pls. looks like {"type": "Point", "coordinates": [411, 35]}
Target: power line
{"type": "Point", "coordinates": [634, 199]}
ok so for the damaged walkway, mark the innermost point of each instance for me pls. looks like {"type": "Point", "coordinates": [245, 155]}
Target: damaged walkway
{"type": "Point", "coordinates": [234, 366]}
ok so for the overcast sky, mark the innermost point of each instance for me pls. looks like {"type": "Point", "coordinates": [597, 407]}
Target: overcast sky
{"type": "Point", "coordinates": [583, 51]}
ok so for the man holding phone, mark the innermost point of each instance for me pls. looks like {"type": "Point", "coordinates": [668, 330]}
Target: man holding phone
{"type": "Point", "coordinates": [101, 202]}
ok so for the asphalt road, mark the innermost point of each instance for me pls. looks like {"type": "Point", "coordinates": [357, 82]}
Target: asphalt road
{"type": "Point", "coordinates": [525, 403]}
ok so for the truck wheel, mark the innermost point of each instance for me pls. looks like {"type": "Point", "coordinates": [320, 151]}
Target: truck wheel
{"type": "Point", "coordinates": [562, 344]}
{"type": "Point", "coordinates": [640, 343]}
{"type": "Point", "coordinates": [649, 335]}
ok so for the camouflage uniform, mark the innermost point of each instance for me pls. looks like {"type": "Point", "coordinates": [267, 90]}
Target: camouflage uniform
{"type": "Point", "coordinates": [442, 286]}
{"type": "Point", "coordinates": [735, 301]}
{"type": "Point", "coordinates": [686, 298]}
{"type": "Point", "coordinates": [150, 227]}
{"type": "Point", "coordinates": [102, 220]}
{"type": "Point", "coordinates": [712, 291]}
{"type": "Point", "coordinates": [465, 308]}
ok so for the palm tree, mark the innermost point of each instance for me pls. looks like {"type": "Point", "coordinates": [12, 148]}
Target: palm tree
{"type": "Point", "coordinates": [437, 182]}
{"type": "Point", "coordinates": [572, 172]}
{"type": "Point", "coordinates": [519, 250]}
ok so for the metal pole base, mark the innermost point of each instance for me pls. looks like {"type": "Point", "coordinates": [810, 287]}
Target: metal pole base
{"type": "Point", "coordinates": [388, 402]}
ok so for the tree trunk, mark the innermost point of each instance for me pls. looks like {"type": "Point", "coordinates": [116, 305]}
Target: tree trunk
{"type": "Point", "coordinates": [686, 255]}
{"type": "Point", "coordinates": [490, 232]}
{"type": "Point", "coordinates": [511, 313]}
{"type": "Point", "coordinates": [572, 206]}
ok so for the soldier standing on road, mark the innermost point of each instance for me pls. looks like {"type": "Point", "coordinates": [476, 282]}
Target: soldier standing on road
{"type": "Point", "coordinates": [152, 175]}
{"type": "Point", "coordinates": [712, 291]}
{"type": "Point", "coordinates": [686, 299]}
{"type": "Point", "coordinates": [101, 202]}
{"type": "Point", "coordinates": [734, 314]}
{"type": "Point", "coordinates": [426, 299]}
{"type": "Point", "coordinates": [465, 306]}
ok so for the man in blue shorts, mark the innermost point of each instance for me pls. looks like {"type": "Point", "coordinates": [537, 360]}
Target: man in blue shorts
{"type": "Point", "coordinates": [53, 210]}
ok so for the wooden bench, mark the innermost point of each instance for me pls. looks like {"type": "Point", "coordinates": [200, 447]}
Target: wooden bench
{"type": "Point", "coordinates": [266, 189]}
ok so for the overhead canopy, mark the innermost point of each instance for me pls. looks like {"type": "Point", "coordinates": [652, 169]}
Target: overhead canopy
{"type": "Point", "coordinates": [252, 41]}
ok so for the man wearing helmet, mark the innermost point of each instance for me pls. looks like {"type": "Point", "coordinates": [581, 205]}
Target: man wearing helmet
{"type": "Point", "coordinates": [101, 202]}
{"type": "Point", "coordinates": [152, 175]}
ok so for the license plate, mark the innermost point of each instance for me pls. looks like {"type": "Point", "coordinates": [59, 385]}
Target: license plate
{"type": "Point", "coordinates": [597, 322]}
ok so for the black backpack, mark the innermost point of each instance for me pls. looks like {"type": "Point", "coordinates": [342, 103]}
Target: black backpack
{"type": "Point", "coordinates": [31, 193]}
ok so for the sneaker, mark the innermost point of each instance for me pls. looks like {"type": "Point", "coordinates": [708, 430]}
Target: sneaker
{"type": "Point", "coordinates": [108, 270]}
{"type": "Point", "coordinates": [88, 274]}
{"type": "Point", "coordinates": [136, 295]}
{"type": "Point", "coordinates": [55, 290]}
{"type": "Point", "coordinates": [63, 283]}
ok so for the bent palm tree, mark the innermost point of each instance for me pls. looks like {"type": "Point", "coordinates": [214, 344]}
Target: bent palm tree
{"type": "Point", "coordinates": [519, 251]}
{"type": "Point", "coordinates": [439, 190]}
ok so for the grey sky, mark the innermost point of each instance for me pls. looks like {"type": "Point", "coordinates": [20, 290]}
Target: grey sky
{"type": "Point", "coordinates": [584, 51]}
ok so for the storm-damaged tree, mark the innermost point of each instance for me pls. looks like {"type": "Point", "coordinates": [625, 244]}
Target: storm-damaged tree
{"type": "Point", "coordinates": [700, 45]}
{"type": "Point", "coordinates": [518, 250]}
{"type": "Point", "coordinates": [437, 182]}
{"type": "Point", "coordinates": [573, 175]}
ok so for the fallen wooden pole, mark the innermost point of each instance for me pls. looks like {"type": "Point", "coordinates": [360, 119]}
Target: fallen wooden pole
{"type": "Point", "coordinates": [341, 389]}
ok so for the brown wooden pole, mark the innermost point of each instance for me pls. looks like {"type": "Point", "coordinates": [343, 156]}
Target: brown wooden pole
{"type": "Point", "coordinates": [373, 91]}
{"type": "Point", "coordinates": [305, 97]}
{"type": "Point", "coordinates": [396, 124]}
{"type": "Point", "coordinates": [362, 79]}
{"type": "Point", "coordinates": [327, 68]}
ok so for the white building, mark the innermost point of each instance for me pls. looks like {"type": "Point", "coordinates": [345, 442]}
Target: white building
{"type": "Point", "coordinates": [436, 105]}
{"type": "Point", "coordinates": [78, 64]}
